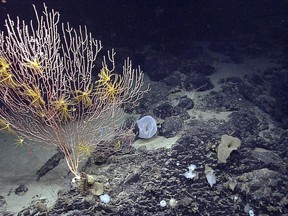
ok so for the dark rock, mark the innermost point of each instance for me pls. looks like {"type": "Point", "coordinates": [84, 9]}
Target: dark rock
{"type": "Point", "coordinates": [281, 145]}
{"type": "Point", "coordinates": [270, 159]}
{"type": "Point", "coordinates": [186, 103]}
{"type": "Point", "coordinates": [214, 101]}
{"type": "Point", "coordinates": [50, 164]}
{"type": "Point", "coordinates": [2, 201]}
{"type": "Point", "coordinates": [269, 92]}
{"type": "Point", "coordinates": [21, 190]}
{"type": "Point", "coordinates": [81, 204]}
{"type": "Point", "coordinates": [159, 93]}
{"type": "Point", "coordinates": [171, 126]}
{"type": "Point", "coordinates": [182, 113]}
{"type": "Point", "coordinates": [25, 212]}
{"type": "Point", "coordinates": [132, 178]}
{"type": "Point", "coordinates": [163, 110]}
{"type": "Point", "coordinates": [244, 123]}
{"type": "Point", "coordinates": [264, 184]}
{"type": "Point", "coordinates": [173, 80]}
{"type": "Point", "coordinates": [279, 91]}
{"type": "Point", "coordinates": [228, 99]}
{"type": "Point", "coordinates": [99, 158]}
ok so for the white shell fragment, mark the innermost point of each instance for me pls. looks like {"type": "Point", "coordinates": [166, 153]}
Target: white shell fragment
{"type": "Point", "coordinates": [211, 178]}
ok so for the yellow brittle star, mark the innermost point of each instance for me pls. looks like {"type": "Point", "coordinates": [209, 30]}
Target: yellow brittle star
{"type": "Point", "coordinates": [35, 94]}
{"type": "Point", "coordinates": [62, 107]}
{"type": "Point", "coordinates": [85, 149]}
{"type": "Point", "coordinates": [34, 65]}
{"type": "Point", "coordinates": [84, 97]}
{"type": "Point", "coordinates": [4, 65]}
{"type": "Point", "coordinates": [19, 141]}
{"type": "Point", "coordinates": [6, 76]}
{"type": "Point", "coordinates": [104, 76]}
{"type": "Point", "coordinates": [112, 89]}
{"type": "Point", "coordinates": [5, 126]}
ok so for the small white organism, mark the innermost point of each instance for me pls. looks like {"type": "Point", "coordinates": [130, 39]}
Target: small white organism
{"type": "Point", "coordinates": [163, 203]}
{"type": "Point", "coordinates": [192, 167]}
{"type": "Point", "coordinates": [173, 202]}
{"type": "Point", "coordinates": [251, 212]}
{"type": "Point", "coordinates": [105, 198]}
{"type": "Point", "coordinates": [190, 174]}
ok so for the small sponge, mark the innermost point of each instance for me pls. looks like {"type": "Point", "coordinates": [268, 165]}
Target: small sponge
{"type": "Point", "coordinates": [226, 146]}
